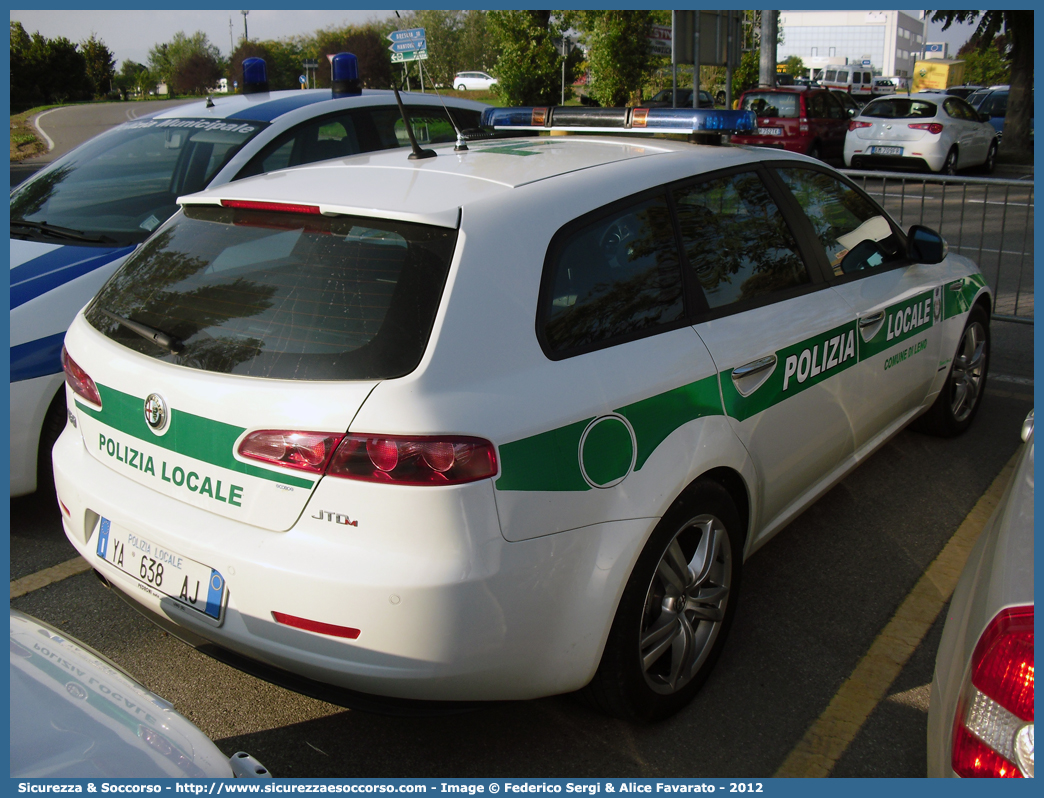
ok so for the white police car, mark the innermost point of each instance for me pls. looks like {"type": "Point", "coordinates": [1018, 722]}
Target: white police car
{"type": "Point", "coordinates": [504, 422]}
{"type": "Point", "coordinates": [74, 222]}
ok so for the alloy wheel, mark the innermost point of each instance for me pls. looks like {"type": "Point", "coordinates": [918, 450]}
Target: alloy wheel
{"type": "Point", "coordinates": [968, 369]}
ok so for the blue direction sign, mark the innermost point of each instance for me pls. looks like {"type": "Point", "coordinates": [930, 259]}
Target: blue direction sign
{"type": "Point", "coordinates": [409, 46]}
{"type": "Point", "coordinates": [411, 34]}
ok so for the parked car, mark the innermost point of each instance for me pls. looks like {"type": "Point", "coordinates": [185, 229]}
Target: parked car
{"type": "Point", "coordinates": [851, 105]}
{"type": "Point", "coordinates": [921, 131]}
{"type": "Point", "coordinates": [809, 121]}
{"type": "Point", "coordinates": [502, 423]}
{"type": "Point", "coordinates": [993, 103]}
{"type": "Point", "coordinates": [855, 80]}
{"type": "Point", "coordinates": [663, 99]}
{"type": "Point", "coordinates": [473, 81]}
{"type": "Point", "coordinates": [76, 714]}
{"type": "Point", "coordinates": [885, 86]}
{"type": "Point", "coordinates": [964, 92]}
{"type": "Point", "coordinates": [75, 221]}
{"type": "Point", "coordinates": [980, 715]}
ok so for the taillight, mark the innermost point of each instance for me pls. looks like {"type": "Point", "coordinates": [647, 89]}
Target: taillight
{"type": "Point", "coordinates": [399, 460]}
{"type": "Point", "coordinates": [305, 451]}
{"type": "Point", "coordinates": [932, 127]}
{"type": "Point", "coordinates": [283, 207]}
{"type": "Point", "coordinates": [854, 125]}
{"type": "Point", "coordinates": [78, 379]}
{"type": "Point", "coordinates": [993, 729]}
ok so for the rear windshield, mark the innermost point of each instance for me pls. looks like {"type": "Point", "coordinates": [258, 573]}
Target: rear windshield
{"type": "Point", "coordinates": [899, 108]}
{"type": "Point", "coordinates": [124, 184]}
{"type": "Point", "coordinates": [778, 104]}
{"type": "Point", "coordinates": [281, 295]}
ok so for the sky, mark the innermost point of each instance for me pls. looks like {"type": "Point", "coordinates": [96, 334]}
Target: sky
{"type": "Point", "coordinates": [131, 34]}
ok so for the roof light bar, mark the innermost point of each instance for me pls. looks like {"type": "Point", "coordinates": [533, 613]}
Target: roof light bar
{"type": "Point", "coordinates": [614, 120]}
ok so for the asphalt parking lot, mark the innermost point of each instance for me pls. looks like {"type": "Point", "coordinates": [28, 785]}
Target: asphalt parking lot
{"type": "Point", "coordinates": [813, 602]}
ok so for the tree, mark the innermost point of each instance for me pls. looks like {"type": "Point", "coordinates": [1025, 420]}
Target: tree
{"type": "Point", "coordinates": [619, 56]}
{"type": "Point", "coordinates": [101, 65]}
{"type": "Point", "coordinates": [988, 66]}
{"type": "Point", "coordinates": [529, 67]}
{"type": "Point", "coordinates": [1018, 25]}
{"type": "Point", "coordinates": [795, 66]}
{"type": "Point", "coordinates": [133, 78]}
{"type": "Point", "coordinates": [167, 60]}
{"type": "Point", "coordinates": [196, 74]}
{"type": "Point", "coordinates": [45, 70]}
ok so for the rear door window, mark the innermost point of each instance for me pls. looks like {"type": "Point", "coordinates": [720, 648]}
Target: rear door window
{"type": "Point", "coordinates": [737, 242]}
{"type": "Point", "coordinates": [772, 104]}
{"type": "Point", "coordinates": [281, 295]}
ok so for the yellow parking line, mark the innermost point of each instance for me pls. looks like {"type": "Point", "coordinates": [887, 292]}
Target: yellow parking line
{"type": "Point", "coordinates": [48, 576]}
{"type": "Point", "coordinates": [827, 738]}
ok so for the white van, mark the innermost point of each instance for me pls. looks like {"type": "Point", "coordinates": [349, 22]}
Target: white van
{"type": "Point", "coordinates": [857, 81]}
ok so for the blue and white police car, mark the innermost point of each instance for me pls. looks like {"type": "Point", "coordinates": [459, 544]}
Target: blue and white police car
{"type": "Point", "coordinates": [74, 222]}
{"type": "Point", "coordinates": [506, 421]}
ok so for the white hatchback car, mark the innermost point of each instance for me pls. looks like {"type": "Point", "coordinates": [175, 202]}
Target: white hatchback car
{"type": "Point", "coordinates": [75, 221]}
{"type": "Point", "coordinates": [980, 717]}
{"type": "Point", "coordinates": [473, 81]}
{"type": "Point", "coordinates": [504, 422]}
{"type": "Point", "coordinates": [921, 131]}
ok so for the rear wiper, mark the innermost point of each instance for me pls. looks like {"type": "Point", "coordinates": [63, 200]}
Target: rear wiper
{"type": "Point", "coordinates": [60, 232]}
{"type": "Point", "coordinates": [158, 337]}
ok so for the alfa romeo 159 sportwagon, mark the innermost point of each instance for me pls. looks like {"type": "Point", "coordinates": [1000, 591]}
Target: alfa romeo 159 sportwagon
{"type": "Point", "coordinates": [504, 422]}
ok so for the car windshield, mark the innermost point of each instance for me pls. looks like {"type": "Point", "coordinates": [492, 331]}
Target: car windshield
{"type": "Point", "coordinates": [777, 104]}
{"type": "Point", "coordinates": [281, 295]}
{"type": "Point", "coordinates": [899, 108]}
{"type": "Point", "coordinates": [125, 183]}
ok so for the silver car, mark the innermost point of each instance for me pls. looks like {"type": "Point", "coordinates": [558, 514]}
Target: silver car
{"type": "Point", "coordinates": [75, 714]}
{"type": "Point", "coordinates": [980, 716]}
{"type": "Point", "coordinates": [921, 131]}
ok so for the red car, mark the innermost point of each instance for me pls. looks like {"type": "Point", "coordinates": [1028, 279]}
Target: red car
{"type": "Point", "coordinates": [809, 121]}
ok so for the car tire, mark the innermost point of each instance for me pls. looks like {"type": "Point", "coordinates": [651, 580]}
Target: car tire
{"type": "Point", "coordinates": [815, 151]}
{"type": "Point", "coordinates": [949, 166]}
{"type": "Point", "coordinates": [676, 609]}
{"type": "Point", "coordinates": [53, 424]}
{"type": "Point", "coordinates": [991, 158]}
{"type": "Point", "coordinates": [955, 407]}
{"type": "Point", "coordinates": [462, 87]}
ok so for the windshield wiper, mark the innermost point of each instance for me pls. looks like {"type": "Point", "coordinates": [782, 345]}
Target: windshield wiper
{"type": "Point", "coordinates": [60, 232]}
{"type": "Point", "coordinates": [158, 337]}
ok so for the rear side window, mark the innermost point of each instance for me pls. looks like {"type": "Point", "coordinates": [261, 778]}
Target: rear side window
{"type": "Point", "coordinates": [361, 130]}
{"type": "Point", "coordinates": [280, 295]}
{"type": "Point", "coordinates": [611, 278]}
{"type": "Point", "coordinates": [736, 240]}
{"type": "Point", "coordinates": [778, 104]}
{"type": "Point", "coordinates": [900, 108]}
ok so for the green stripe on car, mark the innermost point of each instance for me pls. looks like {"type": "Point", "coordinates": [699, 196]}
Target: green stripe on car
{"type": "Point", "coordinates": [193, 436]}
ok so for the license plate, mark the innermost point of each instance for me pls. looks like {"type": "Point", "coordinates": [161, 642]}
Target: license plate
{"type": "Point", "coordinates": [886, 150]}
{"type": "Point", "coordinates": [189, 583]}
{"type": "Point", "coordinates": [770, 131]}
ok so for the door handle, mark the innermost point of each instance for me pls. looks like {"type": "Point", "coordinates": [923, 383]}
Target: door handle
{"type": "Point", "coordinates": [873, 318]}
{"type": "Point", "coordinates": [754, 367]}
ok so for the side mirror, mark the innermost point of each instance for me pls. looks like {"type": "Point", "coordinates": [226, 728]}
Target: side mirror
{"type": "Point", "coordinates": [924, 245]}
{"type": "Point", "coordinates": [983, 116]}
{"type": "Point", "coordinates": [852, 112]}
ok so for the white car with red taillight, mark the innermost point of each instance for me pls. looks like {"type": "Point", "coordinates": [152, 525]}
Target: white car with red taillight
{"type": "Point", "coordinates": [980, 717]}
{"type": "Point", "coordinates": [504, 421]}
{"type": "Point", "coordinates": [920, 131]}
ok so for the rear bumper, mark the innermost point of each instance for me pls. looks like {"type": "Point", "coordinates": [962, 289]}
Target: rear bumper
{"type": "Point", "coordinates": [447, 609]}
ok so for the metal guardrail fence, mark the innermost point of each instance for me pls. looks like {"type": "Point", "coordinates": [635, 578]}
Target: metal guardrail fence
{"type": "Point", "coordinates": [986, 219]}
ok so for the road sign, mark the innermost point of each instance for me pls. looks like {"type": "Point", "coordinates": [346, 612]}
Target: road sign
{"type": "Point", "coordinates": [660, 39]}
{"type": "Point", "coordinates": [411, 34]}
{"type": "Point", "coordinates": [310, 63]}
{"type": "Point", "coordinates": [302, 79]}
{"type": "Point", "coordinates": [415, 55]}
{"type": "Point", "coordinates": [409, 46]}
